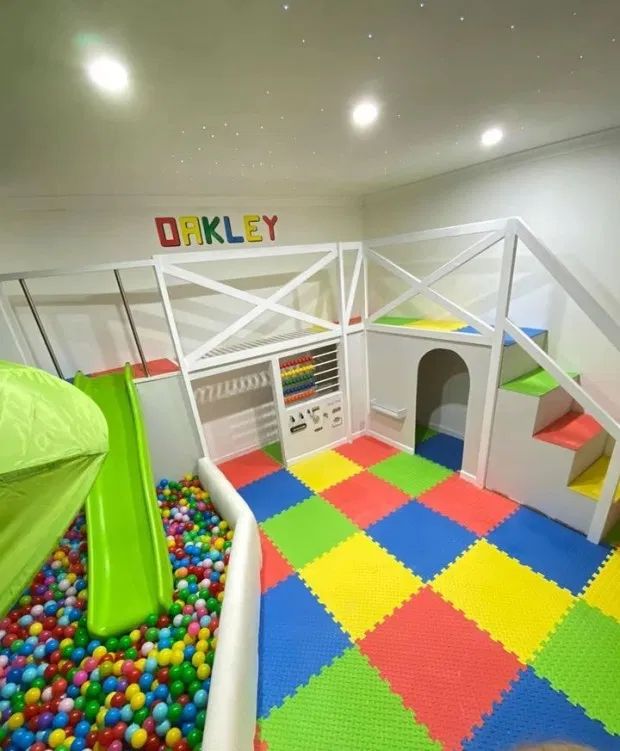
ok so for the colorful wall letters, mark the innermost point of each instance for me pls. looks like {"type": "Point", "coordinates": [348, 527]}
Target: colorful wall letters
{"type": "Point", "coordinates": [193, 230]}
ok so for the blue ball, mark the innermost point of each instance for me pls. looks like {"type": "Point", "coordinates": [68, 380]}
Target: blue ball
{"type": "Point", "coordinates": [160, 712]}
{"type": "Point", "coordinates": [189, 712]}
{"type": "Point", "coordinates": [61, 720]}
{"type": "Point", "coordinates": [145, 681]}
{"type": "Point", "coordinates": [112, 716]}
{"type": "Point", "coordinates": [73, 691]}
{"type": "Point", "coordinates": [162, 728]}
{"type": "Point", "coordinates": [79, 744]}
{"type": "Point", "coordinates": [126, 713]}
{"type": "Point", "coordinates": [109, 684]}
{"type": "Point", "coordinates": [82, 728]}
{"type": "Point", "coordinates": [161, 692]}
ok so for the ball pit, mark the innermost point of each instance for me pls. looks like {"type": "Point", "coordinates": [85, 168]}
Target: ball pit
{"type": "Point", "coordinates": [61, 689]}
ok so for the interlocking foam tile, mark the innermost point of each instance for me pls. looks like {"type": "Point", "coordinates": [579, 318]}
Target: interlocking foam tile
{"type": "Point", "coordinates": [604, 591]}
{"type": "Point", "coordinates": [531, 713]}
{"type": "Point", "coordinates": [324, 470]}
{"type": "Point", "coordinates": [273, 493]}
{"type": "Point", "coordinates": [274, 568]}
{"type": "Point", "coordinates": [274, 450]}
{"type": "Point", "coordinates": [443, 449]}
{"type": "Point", "coordinates": [365, 498]}
{"type": "Point", "coordinates": [366, 451]}
{"type": "Point", "coordinates": [422, 539]}
{"type": "Point", "coordinates": [447, 670]}
{"type": "Point", "coordinates": [359, 583]}
{"type": "Point", "coordinates": [296, 639]}
{"type": "Point", "coordinates": [305, 531]}
{"type": "Point", "coordinates": [346, 707]}
{"type": "Point", "coordinates": [515, 605]}
{"type": "Point", "coordinates": [553, 550]}
{"type": "Point", "coordinates": [423, 433]}
{"type": "Point", "coordinates": [582, 659]}
{"type": "Point", "coordinates": [250, 467]}
{"type": "Point", "coordinates": [438, 324]}
{"type": "Point", "coordinates": [412, 474]}
{"type": "Point", "coordinates": [475, 508]}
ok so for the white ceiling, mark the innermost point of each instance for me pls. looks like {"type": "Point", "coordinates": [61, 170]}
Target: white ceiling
{"type": "Point", "coordinates": [244, 97]}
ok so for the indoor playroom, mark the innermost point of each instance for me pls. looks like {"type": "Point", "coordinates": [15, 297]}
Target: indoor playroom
{"type": "Point", "coordinates": [309, 419]}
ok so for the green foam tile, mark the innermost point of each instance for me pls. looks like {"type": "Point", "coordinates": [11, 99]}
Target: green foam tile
{"type": "Point", "coordinates": [412, 474]}
{"type": "Point", "coordinates": [307, 530]}
{"type": "Point", "coordinates": [535, 383]}
{"type": "Point", "coordinates": [423, 433]}
{"type": "Point", "coordinates": [274, 450]}
{"type": "Point", "coordinates": [395, 320]}
{"type": "Point", "coordinates": [582, 659]}
{"type": "Point", "coordinates": [348, 707]}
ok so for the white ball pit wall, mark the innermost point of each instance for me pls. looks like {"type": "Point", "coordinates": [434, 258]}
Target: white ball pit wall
{"type": "Point", "coordinates": [231, 710]}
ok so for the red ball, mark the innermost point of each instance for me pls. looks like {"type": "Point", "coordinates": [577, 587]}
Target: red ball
{"type": "Point", "coordinates": [59, 687]}
{"type": "Point", "coordinates": [152, 743]}
{"type": "Point", "coordinates": [105, 737]}
{"type": "Point", "coordinates": [118, 700]}
{"type": "Point", "coordinates": [118, 731]}
{"type": "Point", "coordinates": [38, 746]}
{"type": "Point", "coordinates": [91, 738]}
{"type": "Point", "coordinates": [163, 675]}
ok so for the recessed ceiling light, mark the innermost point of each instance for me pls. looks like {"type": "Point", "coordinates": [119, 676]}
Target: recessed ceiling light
{"type": "Point", "coordinates": [492, 136]}
{"type": "Point", "coordinates": [364, 113]}
{"type": "Point", "coordinates": [108, 74]}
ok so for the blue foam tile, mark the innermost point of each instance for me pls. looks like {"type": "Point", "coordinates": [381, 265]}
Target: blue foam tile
{"type": "Point", "coordinates": [468, 330]}
{"type": "Point", "coordinates": [527, 330]}
{"type": "Point", "coordinates": [555, 551]}
{"type": "Point", "coordinates": [274, 493]}
{"type": "Point", "coordinates": [422, 539]}
{"type": "Point", "coordinates": [531, 713]}
{"type": "Point", "coordinates": [297, 638]}
{"type": "Point", "coordinates": [442, 449]}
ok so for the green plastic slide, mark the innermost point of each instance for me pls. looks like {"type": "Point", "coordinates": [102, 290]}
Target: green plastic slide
{"type": "Point", "coordinates": [129, 574]}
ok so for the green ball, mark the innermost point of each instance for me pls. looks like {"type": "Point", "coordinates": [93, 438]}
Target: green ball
{"type": "Point", "coordinates": [80, 702]}
{"type": "Point", "coordinates": [81, 638]}
{"type": "Point", "coordinates": [151, 619]}
{"type": "Point", "coordinates": [176, 689]}
{"type": "Point", "coordinates": [91, 709]}
{"type": "Point", "coordinates": [17, 701]}
{"type": "Point", "coordinates": [131, 653]}
{"type": "Point", "coordinates": [140, 715]}
{"type": "Point", "coordinates": [174, 673]}
{"type": "Point", "coordinates": [111, 644]}
{"type": "Point", "coordinates": [124, 643]}
{"type": "Point", "coordinates": [39, 682]}
{"type": "Point", "coordinates": [94, 690]}
{"type": "Point", "coordinates": [152, 634]}
{"type": "Point", "coordinates": [66, 651]}
{"type": "Point", "coordinates": [194, 738]}
{"type": "Point", "coordinates": [17, 645]}
{"type": "Point", "coordinates": [175, 609]}
{"type": "Point", "coordinates": [174, 713]}
{"type": "Point", "coordinates": [200, 719]}
{"type": "Point", "coordinates": [188, 673]}
{"type": "Point", "coordinates": [193, 687]}
{"type": "Point", "coordinates": [210, 656]}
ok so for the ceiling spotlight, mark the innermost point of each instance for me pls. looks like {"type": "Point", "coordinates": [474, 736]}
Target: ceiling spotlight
{"type": "Point", "coordinates": [108, 74]}
{"type": "Point", "coordinates": [492, 137]}
{"type": "Point", "coordinates": [364, 113]}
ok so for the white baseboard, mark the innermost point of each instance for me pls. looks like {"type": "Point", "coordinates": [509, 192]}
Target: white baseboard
{"type": "Point", "coordinates": [390, 441]}
{"type": "Point", "coordinates": [446, 431]}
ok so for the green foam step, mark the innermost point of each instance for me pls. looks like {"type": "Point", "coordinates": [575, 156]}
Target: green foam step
{"type": "Point", "coordinates": [395, 320]}
{"type": "Point", "coordinates": [535, 383]}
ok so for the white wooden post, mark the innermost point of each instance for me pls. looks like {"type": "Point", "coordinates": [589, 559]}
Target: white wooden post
{"type": "Point", "coordinates": [283, 424]}
{"type": "Point", "coordinates": [497, 348]}
{"type": "Point", "coordinates": [606, 500]}
{"type": "Point", "coordinates": [344, 337]}
{"type": "Point", "coordinates": [178, 348]}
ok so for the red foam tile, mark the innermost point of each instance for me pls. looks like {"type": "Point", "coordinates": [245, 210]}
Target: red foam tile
{"type": "Point", "coordinates": [366, 451]}
{"type": "Point", "coordinates": [275, 567]}
{"type": "Point", "coordinates": [248, 468]}
{"type": "Point", "coordinates": [478, 509]}
{"type": "Point", "coordinates": [435, 658]}
{"type": "Point", "coordinates": [155, 367]}
{"type": "Point", "coordinates": [365, 498]}
{"type": "Point", "coordinates": [571, 430]}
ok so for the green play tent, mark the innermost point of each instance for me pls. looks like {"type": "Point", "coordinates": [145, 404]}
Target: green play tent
{"type": "Point", "coordinates": [53, 440]}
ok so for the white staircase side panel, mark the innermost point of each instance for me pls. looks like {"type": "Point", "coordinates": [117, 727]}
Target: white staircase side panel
{"type": "Point", "coordinates": [516, 362]}
{"type": "Point", "coordinates": [588, 454]}
{"type": "Point", "coordinates": [551, 406]}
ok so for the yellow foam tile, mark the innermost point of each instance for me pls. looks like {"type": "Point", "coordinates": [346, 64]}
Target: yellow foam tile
{"type": "Point", "coordinates": [324, 470]}
{"type": "Point", "coordinates": [590, 481]}
{"type": "Point", "coordinates": [439, 324]}
{"type": "Point", "coordinates": [604, 591]}
{"type": "Point", "coordinates": [359, 583]}
{"type": "Point", "coordinates": [515, 605]}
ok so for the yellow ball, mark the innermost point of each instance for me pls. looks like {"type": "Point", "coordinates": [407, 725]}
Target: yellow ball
{"type": "Point", "coordinates": [163, 658]}
{"type": "Point", "coordinates": [138, 739]}
{"type": "Point", "coordinates": [219, 543]}
{"type": "Point", "coordinates": [108, 700]}
{"type": "Point", "coordinates": [135, 635]}
{"type": "Point", "coordinates": [71, 577]}
{"type": "Point", "coordinates": [99, 652]}
{"type": "Point", "coordinates": [177, 657]}
{"type": "Point", "coordinates": [137, 701]}
{"type": "Point", "coordinates": [201, 645]}
{"type": "Point", "coordinates": [66, 643]}
{"type": "Point", "coordinates": [35, 629]}
{"type": "Point", "coordinates": [204, 633]}
{"type": "Point", "coordinates": [32, 696]}
{"type": "Point", "coordinates": [118, 668]}
{"type": "Point", "coordinates": [16, 720]}
{"type": "Point", "coordinates": [223, 579]}
{"type": "Point", "coordinates": [198, 658]}
{"type": "Point", "coordinates": [173, 736]}
{"type": "Point", "coordinates": [132, 690]}
{"type": "Point", "coordinates": [56, 737]}
{"type": "Point", "coordinates": [83, 687]}
{"type": "Point", "coordinates": [100, 717]}
{"type": "Point", "coordinates": [203, 671]}
{"type": "Point", "coordinates": [179, 645]}
{"type": "Point", "coordinates": [105, 669]}
{"type": "Point", "coordinates": [220, 597]}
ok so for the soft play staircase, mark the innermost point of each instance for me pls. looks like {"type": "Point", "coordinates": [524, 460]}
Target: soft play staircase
{"type": "Point", "coordinates": [545, 452]}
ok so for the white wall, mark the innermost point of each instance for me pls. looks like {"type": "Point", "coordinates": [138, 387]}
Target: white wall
{"type": "Point", "coordinates": [568, 193]}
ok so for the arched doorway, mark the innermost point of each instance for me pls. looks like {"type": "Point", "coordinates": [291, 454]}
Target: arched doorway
{"type": "Point", "coordinates": [441, 407]}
